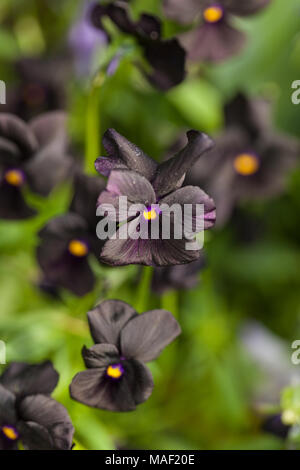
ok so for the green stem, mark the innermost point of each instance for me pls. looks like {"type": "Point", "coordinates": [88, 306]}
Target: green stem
{"type": "Point", "coordinates": [144, 289]}
{"type": "Point", "coordinates": [93, 124]}
{"type": "Point", "coordinates": [169, 301]}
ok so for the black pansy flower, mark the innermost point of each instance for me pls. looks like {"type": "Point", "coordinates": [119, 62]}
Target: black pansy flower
{"type": "Point", "coordinates": [135, 175]}
{"type": "Point", "coordinates": [183, 276]}
{"type": "Point", "coordinates": [32, 155]}
{"type": "Point", "coordinates": [116, 378]}
{"type": "Point", "coordinates": [165, 56]}
{"type": "Point", "coordinates": [249, 160]}
{"type": "Point", "coordinates": [39, 89]}
{"type": "Point", "coordinates": [67, 241]}
{"type": "Point", "coordinates": [215, 38]}
{"type": "Point", "coordinates": [28, 414]}
{"type": "Point", "coordinates": [274, 425]}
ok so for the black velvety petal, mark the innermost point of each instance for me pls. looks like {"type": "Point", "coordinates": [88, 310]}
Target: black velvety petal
{"type": "Point", "coordinates": [123, 154]}
{"type": "Point", "coordinates": [146, 335]}
{"type": "Point", "coordinates": [10, 154]}
{"type": "Point", "coordinates": [87, 190]}
{"type": "Point", "coordinates": [184, 276]}
{"type": "Point", "coordinates": [107, 320]}
{"type": "Point", "coordinates": [15, 130]}
{"type": "Point", "coordinates": [100, 355]}
{"type": "Point", "coordinates": [212, 42]}
{"type": "Point", "coordinates": [194, 196]}
{"type": "Point", "coordinates": [25, 379]}
{"type": "Point", "coordinates": [52, 419]}
{"type": "Point", "coordinates": [183, 12]}
{"type": "Point", "coordinates": [64, 227]}
{"type": "Point", "coordinates": [93, 388]}
{"type": "Point", "coordinates": [171, 173]}
{"type": "Point", "coordinates": [121, 252]}
{"type": "Point", "coordinates": [51, 164]}
{"type": "Point", "coordinates": [12, 203]}
{"type": "Point", "coordinates": [273, 424]}
{"type": "Point", "coordinates": [63, 269]}
{"type": "Point", "coordinates": [241, 8]}
{"type": "Point", "coordinates": [167, 59]}
{"type": "Point", "coordinates": [7, 406]}
{"type": "Point", "coordinates": [131, 184]}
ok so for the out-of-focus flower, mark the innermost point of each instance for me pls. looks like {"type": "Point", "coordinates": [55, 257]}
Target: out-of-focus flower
{"type": "Point", "coordinates": [116, 378]}
{"type": "Point", "coordinates": [27, 412]}
{"type": "Point", "coordinates": [86, 39]}
{"type": "Point", "coordinates": [273, 424]}
{"type": "Point", "coordinates": [38, 89]}
{"type": "Point", "coordinates": [250, 161]}
{"type": "Point", "coordinates": [165, 56]}
{"type": "Point", "coordinates": [184, 276]}
{"type": "Point", "coordinates": [135, 175]}
{"type": "Point", "coordinates": [215, 38]}
{"type": "Point", "coordinates": [33, 155]}
{"type": "Point", "coordinates": [68, 241]}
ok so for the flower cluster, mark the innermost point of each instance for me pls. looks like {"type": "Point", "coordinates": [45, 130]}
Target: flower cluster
{"type": "Point", "coordinates": [28, 414]}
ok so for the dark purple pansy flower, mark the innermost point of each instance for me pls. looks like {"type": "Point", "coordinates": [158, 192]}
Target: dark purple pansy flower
{"type": "Point", "coordinates": [143, 181]}
{"type": "Point", "coordinates": [116, 378]}
{"type": "Point", "coordinates": [27, 412]}
{"type": "Point", "coordinates": [32, 155]}
{"type": "Point", "coordinates": [68, 241]}
{"type": "Point", "coordinates": [184, 276]}
{"type": "Point", "coordinates": [273, 425]}
{"type": "Point", "coordinates": [250, 161]}
{"type": "Point", "coordinates": [215, 38]}
{"type": "Point", "coordinates": [166, 56]}
{"type": "Point", "coordinates": [85, 39]}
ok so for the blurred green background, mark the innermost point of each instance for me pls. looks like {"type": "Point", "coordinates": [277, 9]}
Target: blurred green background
{"type": "Point", "coordinates": [208, 386]}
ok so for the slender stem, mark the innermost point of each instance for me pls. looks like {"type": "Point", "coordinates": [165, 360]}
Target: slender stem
{"type": "Point", "coordinates": [169, 301]}
{"type": "Point", "coordinates": [144, 289]}
{"type": "Point", "coordinates": [93, 123]}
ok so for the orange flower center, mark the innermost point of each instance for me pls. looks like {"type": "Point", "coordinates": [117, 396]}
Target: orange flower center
{"type": "Point", "coordinates": [10, 433]}
{"type": "Point", "coordinates": [78, 248]}
{"type": "Point", "coordinates": [246, 164]}
{"type": "Point", "coordinates": [115, 371]}
{"type": "Point", "coordinates": [213, 14]}
{"type": "Point", "coordinates": [14, 177]}
{"type": "Point", "coordinates": [150, 214]}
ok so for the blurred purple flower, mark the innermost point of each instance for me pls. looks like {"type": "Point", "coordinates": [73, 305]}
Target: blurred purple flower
{"type": "Point", "coordinates": [85, 39]}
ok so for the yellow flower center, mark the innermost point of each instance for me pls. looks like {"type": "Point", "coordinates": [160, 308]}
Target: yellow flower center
{"type": "Point", "coordinates": [10, 433]}
{"type": "Point", "coordinates": [115, 371]}
{"type": "Point", "coordinates": [150, 214]}
{"type": "Point", "coordinates": [14, 177]}
{"type": "Point", "coordinates": [246, 164]}
{"type": "Point", "coordinates": [213, 14]}
{"type": "Point", "coordinates": [78, 248]}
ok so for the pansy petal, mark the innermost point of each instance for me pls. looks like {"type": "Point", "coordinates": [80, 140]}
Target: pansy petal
{"type": "Point", "coordinates": [107, 320]}
{"type": "Point", "coordinates": [167, 59]}
{"type": "Point", "coordinates": [35, 436]}
{"type": "Point", "coordinates": [26, 379]}
{"type": "Point", "coordinates": [50, 126]}
{"type": "Point", "coordinates": [52, 416]}
{"type": "Point", "coordinates": [14, 129]}
{"type": "Point", "coordinates": [64, 227]}
{"type": "Point", "coordinates": [170, 174]}
{"type": "Point", "coordinates": [123, 152]}
{"type": "Point", "coordinates": [10, 154]}
{"type": "Point", "coordinates": [145, 336]}
{"type": "Point", "coordinates": [182, 12]}
{"type": "Point", "coordinates": [212, 42]}
{"type": "Point", "coordinates": [134, 186]}
{"type": "Point", "coordinates": [121, 252]}
{"type": "Point", "coordinates": [93, 388]}
{"type": "Point", "coordinates": [192, 195]}
{"type": "Point", "coordinates": [241, 8]}
{"type": "Point", "coordinates": [12, 203]}
{"type": "Point", "coordinates": [100, 355]}
{"type": "Point", "coordinates": [7, 406]}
